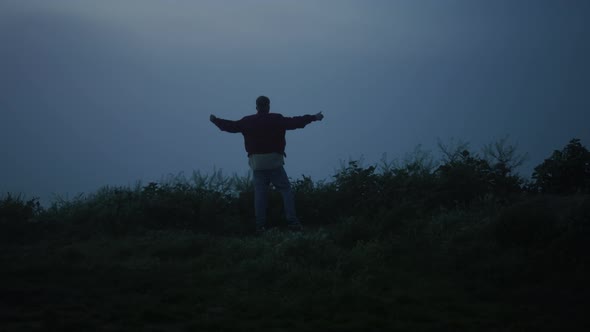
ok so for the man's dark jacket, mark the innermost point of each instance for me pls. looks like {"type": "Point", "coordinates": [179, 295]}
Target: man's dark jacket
{"type": "Point", "coordinates": [264, 132]}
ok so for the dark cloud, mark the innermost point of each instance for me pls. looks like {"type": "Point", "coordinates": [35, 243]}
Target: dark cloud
{"type": "Point", "coordinates": [121, 91]}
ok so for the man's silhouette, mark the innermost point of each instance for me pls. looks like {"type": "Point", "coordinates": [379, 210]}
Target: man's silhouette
{"type": "Point", "coordinates": [264, 139]}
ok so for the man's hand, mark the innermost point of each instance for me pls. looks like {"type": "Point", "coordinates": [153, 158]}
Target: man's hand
{"type": "Point", "coordinates": [212, 117]}
{"type": "Point", "coordinates": [319, 116]}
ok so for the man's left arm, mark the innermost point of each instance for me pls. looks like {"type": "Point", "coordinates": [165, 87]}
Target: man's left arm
{"type": "Point", "coordinates": [226, 125]}
{"type": "Point", "coordinates": [297, 122]}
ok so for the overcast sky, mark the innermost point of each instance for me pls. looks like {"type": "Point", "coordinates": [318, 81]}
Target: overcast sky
{"type": "Point", "coordinates": [96, 93]}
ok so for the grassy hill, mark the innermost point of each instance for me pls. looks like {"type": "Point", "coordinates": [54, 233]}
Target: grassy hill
{"type": "Point", "coordinates": [407, 248]}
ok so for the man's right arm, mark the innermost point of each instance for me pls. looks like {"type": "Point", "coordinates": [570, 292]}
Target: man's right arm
{"type": "Point", "coordinates": [226, 125]}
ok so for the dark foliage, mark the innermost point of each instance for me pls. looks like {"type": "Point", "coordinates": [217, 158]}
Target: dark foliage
{"type": "Point", "coordinates": [459, 246]}
{"type": "Point", "coordinates": [17, 209]}
{"type": "Point", "coordinates": [216, 204]}
{"type": "Point", "coordinates": [463, 180]}
{"type": "Point", "coordinates": [566, 171]}
{"type": "Point", "coordinates": [17, 216]}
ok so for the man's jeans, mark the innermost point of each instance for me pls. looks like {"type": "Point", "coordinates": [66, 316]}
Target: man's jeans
{"type": "Point", "coordinates": [278, 177]}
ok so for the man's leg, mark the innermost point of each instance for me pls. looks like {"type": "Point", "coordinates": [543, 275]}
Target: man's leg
{"type": "Point", "coordinates": [281, 182]}
{"type": "Point", "coordinates": [261, 182]}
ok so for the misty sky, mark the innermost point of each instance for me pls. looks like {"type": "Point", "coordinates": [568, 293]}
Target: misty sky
{"type": "Point", "coordinates": [96, 93]}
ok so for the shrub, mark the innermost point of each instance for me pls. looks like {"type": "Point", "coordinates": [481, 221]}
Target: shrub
{"type": "Point", "coordinates": [504, 160]}
{"type": "Point", "coordinates": [316, 202]}
{"type": "Point", "coordinates": [462, 180]}
{"type": "Point", "coordinates": [14, 209]}
{"type": "Point", "coordinates": [17, 216]}
{"type": "Point", "coordinates": [528, 224]}
{"type": "Point", "coordinates": [357, 188]}
{"type": "Point", "coordinates": [566, 171]}
{"type": "Point", "coordinates": [569, 251]}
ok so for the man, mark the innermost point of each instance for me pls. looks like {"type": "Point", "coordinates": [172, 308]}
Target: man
{"type": "Point", "coordinates": [264, 139]}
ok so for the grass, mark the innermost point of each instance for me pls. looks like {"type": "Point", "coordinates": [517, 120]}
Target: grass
{"type": "Point", "coordinates": [192, 282]}
{"type": "Point", "coordinates": [321, 279]}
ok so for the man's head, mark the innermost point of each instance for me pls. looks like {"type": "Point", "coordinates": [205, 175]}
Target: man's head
{"type": "Point", "coordinates": [263, 104]}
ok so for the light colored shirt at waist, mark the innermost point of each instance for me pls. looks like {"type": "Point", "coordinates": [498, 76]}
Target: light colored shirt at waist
{"type": "Point", "coordinates": [265, 161]}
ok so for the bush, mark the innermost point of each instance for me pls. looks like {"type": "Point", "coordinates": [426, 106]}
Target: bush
{"type": "Point", "coordinates": [208, 204]}
{"type": "Point", "coordinates": [529, 224]}
{"type": "Point", "coordinates": [357, 188]}
{"type": "Point", "coordinates": [566, 171]}
{"type": "Point", "coordinates": [16, 209]}
{"type": "Point", "coordinates": [465, 177]}
{"type": "Point", "coordinates": [569, 251]}
{"type": "Point", "coordinates": [463, 180]}
{"type": "Point", "coordinates": [411, 190]}
{"type": "Point", "coordinates": [316, 202]}
{"type": "Point", "coordinates": [17, 218]}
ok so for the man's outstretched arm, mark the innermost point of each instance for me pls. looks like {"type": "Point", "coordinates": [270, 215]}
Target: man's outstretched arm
{"type": "Point", "coordinates": [226, 125]}
{"type": "Point", "coordinates": [301, 121]}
